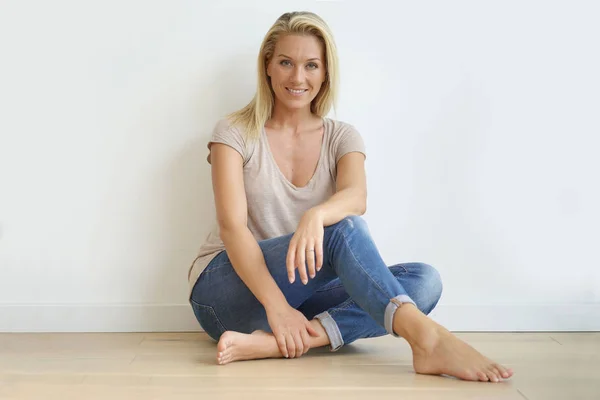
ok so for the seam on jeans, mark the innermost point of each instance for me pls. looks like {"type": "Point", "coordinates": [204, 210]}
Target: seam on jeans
{"type": "Point", "coordinates": [330, 288]}
{"type": "Point", "coordinates": [214, 313]}
{"type": "Point", "coordinates": [404, 271]}
{"type": "Point", "coordinates": [363, 268]}
{"type": "Point", "coordinates": [403, 268]}
{"type": "Point", "coordinates": [341, 307]}
{"type": "Point", "coordinates": [278, 246]}
{"type": "Point", "coordinates": [218, 266]}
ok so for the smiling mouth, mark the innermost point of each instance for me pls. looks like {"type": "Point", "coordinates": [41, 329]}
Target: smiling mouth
{"type": "Point", "coordinates": [296, 91]}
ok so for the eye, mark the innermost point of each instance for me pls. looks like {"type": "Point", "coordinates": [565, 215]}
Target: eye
{"type": "Point", "coordinates": [285, 62]}
{"type": "Point", "coordinates": [312, 65]}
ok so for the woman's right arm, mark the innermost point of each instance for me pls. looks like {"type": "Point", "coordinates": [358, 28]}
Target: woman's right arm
{"type": "Point", "coordinates": [290, 327]}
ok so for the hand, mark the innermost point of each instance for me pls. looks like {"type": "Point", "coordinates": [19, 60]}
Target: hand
{"type": "Point", "coordinates": [291, 330]}
{"type": "Point", "coordinates": [308, 237]}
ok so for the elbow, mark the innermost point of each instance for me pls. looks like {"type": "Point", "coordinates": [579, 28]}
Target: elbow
{"type": "Point", "coordinates": [362, 210]}
{"type": "Point", "coordinates": [362, 207]}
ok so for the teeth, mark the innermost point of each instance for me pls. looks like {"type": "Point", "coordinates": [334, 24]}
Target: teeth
{"type": "Point", "coordinates": [297, 91]}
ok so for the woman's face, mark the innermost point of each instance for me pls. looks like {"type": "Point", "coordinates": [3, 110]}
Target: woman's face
{"type": "Point", "coordinates": [297, 70]}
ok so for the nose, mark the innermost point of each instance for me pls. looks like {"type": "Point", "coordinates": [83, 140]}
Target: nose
{"type": "Point", "coordinates": [298, 75]}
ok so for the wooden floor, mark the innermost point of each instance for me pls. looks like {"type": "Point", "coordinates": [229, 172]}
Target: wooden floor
{"type": "Point", "coordinates": [181, 366]}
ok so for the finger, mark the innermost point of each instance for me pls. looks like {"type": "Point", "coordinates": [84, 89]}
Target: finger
{"type": "Point", "coordinates": [290, 262]}
{"type": "Point", "coordinates": [319, 254]}
{"type": "Point", "coordinates": [305, 340]}
{"type": "Point", "coordinates": [299, 344]}
{"type": "Point", "coordinates": [290, 345]}
{"type": "Point", "coordinates": [282, 345]}
{"type": "Point", "coordinates": [301, 263]}
{"type": "Point", "coordinates": [310, 259]}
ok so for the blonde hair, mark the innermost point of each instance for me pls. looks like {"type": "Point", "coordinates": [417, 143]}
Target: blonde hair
{"type": "Point", "coordinates": [253, 117]}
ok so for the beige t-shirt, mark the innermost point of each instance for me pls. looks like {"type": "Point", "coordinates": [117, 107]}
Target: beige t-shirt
{"type": "Point", "coordinates": [275, 205]}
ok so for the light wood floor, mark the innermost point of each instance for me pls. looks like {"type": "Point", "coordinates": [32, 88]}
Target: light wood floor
{"type": "Point", "coordinates": [181, 366]}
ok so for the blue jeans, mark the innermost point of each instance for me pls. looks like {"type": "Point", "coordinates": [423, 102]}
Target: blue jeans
{"type": "Point", "coordinates": [354, 295]}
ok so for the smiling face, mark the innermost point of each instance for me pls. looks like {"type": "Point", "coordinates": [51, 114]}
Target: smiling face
{"type": "Point", "coordinates": [297, 70]}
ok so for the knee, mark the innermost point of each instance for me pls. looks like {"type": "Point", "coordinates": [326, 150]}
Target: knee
{"type": "Point", "coordinates": [431, 288]}
{"type": "Point", "coordinates": [351, 223]}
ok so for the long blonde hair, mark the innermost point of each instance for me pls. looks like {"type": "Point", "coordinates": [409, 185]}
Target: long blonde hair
{"type": "Point", "coordinates": [253, 117]}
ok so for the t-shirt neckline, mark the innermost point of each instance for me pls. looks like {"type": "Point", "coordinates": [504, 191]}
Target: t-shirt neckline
{"type": "Point", "coordinates": [310, 183]}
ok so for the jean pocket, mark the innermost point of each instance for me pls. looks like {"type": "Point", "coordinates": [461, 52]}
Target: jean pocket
{"type": "Point", "coordinates": [208, 320]}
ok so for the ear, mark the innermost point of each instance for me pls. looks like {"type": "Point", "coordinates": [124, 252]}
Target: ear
{"type": "Point", "coordinates": [268, 68]}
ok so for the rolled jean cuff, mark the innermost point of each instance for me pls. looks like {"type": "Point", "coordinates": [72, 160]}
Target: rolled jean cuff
{"type": "Point", "coordinates": [390, 310]}
{"type": "Point", "coordinates": [335, 336]}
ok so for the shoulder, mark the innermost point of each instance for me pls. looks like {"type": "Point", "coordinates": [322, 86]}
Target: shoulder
{"type": "Point", "coordinates": [344, 138]}
{"type": "Point", "coordinates": [227, 133]}
{"type": "Point", "coordinates": [341, 130]}
{"type": "Point", "coordinates": [340, 126]}
{"type": "Point", "coordinates": [224, 125]}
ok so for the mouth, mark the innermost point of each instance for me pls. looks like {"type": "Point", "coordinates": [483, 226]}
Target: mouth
{"type": "Point", "coordinates": [296, 92]}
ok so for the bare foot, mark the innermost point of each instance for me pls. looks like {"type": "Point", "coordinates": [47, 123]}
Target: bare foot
{"type": "Point", "coordinates": [440, 352]}
{"type": "Point", "coordinates": [235, 346]}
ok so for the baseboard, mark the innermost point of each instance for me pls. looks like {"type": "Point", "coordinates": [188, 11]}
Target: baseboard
{"type": "Point", "coordinates": [97, 318]}
{"type": "Point", "coordinates": [519, 317]}
{"type": "Point", "coordinates": [180, 318]}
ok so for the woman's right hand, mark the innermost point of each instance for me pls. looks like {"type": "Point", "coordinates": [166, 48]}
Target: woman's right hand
{"type": "Point", "coordinates": [291, 330]}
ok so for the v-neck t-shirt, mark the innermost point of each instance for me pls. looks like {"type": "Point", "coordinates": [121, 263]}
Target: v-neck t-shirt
{"type": "Point", "coordinates": [276, 205]}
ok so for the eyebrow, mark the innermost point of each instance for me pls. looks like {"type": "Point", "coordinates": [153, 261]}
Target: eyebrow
{"type": "Point", "coordinates": [310, 59]}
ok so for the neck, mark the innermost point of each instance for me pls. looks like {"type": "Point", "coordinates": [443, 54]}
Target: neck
{"type": "Point", "coordinates": [291, 119]}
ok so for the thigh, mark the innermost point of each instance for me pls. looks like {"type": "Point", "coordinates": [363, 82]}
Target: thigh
{"type": "Point", "coordinates": [222, 299]}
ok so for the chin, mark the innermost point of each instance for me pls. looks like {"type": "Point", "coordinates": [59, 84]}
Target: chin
{"type": "Point", "coordinates": [296, 105]}
{"type": "Point", "coordinates": [293, 105]}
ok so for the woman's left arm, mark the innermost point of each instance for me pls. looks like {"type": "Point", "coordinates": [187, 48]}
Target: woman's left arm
{"type": "Point", "coordinates": [350, 198]}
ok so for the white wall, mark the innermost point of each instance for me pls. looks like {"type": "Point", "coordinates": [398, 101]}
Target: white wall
{"type": "Point", "coordinates": [480, 119]}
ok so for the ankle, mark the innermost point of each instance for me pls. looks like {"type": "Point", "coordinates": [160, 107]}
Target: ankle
{"type": "Point", "coordinates": [415, 327]}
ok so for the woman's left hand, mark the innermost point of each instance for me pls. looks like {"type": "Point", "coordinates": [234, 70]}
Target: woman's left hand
{"type": "Point", "coordinates": [306, 247]}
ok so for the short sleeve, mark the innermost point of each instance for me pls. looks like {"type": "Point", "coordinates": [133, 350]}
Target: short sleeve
{"type": "Point", "coordinates": [348, 140]}
{"type": "Point", "coordinates": [224, 133]}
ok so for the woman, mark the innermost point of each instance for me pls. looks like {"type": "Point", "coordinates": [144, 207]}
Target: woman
{"type": "Point", "coordinates": [290, 264]}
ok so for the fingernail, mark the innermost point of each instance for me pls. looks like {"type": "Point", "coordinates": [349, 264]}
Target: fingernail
{"type": "Point", "coordinates": [312, 276]}
{"type": "Point", "coordinates": [305, 281]}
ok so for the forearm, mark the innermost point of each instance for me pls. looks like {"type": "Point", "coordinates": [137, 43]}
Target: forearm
{"type": "Point", "coordinates": [349, 201]}
{"type": "Point", "coordinates": [249, 263]}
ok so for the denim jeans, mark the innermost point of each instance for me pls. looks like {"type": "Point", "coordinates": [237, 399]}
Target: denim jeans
{"type": "Point", "coordinates": [354, 295]}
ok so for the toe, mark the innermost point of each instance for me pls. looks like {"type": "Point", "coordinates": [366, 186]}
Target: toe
{"type": "Point", "coordinates": [497, 373]}
{"type": "Point", "coordinates": [492, 376]}
{"type": "Point", "coordinates": [223, 342]}
{"type": "Point", "coordinates": [482, 376]}
{"type": "Point", "coordinates": [502, 370]}
{"type": "Point", "coordinates": [221, 346]}
{"type": "Point", "coordinates": [225, 360]}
